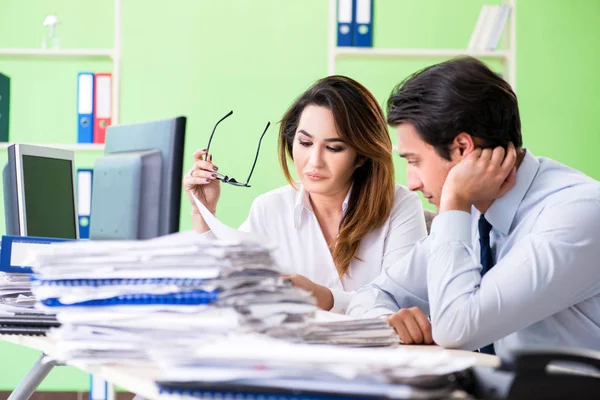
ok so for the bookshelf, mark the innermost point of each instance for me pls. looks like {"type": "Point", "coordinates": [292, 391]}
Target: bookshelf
{"type": "Point", "coordinates": [65, 146]}
{"type": "Point", "coordinates": [507, 56]}
{"type": "Point", "coordinates": [58, 52]}
{"type": "Point", "coordinates": [114, 54]}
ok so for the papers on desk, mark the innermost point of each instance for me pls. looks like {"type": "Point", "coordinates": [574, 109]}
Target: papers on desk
{"type": "Point", "coordinates": [15, 294]}
{"type": "Point", "coordinates": [256, 364]}
{"type": "Point", "coordinates": [116, 299]}
{"type": "Point", "coordinates": [373, 332]}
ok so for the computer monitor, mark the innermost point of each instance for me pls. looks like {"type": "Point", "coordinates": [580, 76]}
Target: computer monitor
{"type": "Point", "coordinates": [136, 190]}
{"type": "Point", "coordinates": [39, 192]}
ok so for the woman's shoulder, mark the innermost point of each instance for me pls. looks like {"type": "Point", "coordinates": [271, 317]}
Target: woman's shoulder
{"type": "Point", "coordinates": [283, 195]}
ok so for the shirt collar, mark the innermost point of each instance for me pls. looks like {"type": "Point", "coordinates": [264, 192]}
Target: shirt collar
{"type": "Point", "coordinates": [502, 211]}
{"type": "Point", "coordinates": [302, 203]}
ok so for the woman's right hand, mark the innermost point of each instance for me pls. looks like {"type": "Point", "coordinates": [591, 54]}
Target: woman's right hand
{"type": "Point", "coordinates": [201, 181]}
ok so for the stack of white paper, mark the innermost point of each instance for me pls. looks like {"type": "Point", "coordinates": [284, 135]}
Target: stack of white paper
{"type": "Point", "coordinates": [239, 363]}
{"type": "Point", "coordinates": [116, 299]}
{"type": "Point", "coordinates": [15, 294]}
{"type": "Point", "coordinates": [373, 332]}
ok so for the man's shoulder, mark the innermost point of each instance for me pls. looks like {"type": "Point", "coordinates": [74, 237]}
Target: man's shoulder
{"type": "Point", "coordinates": [558, 183]}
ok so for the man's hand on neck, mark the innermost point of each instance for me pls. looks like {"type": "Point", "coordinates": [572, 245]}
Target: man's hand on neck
{"type": "Point", "coordinates": [480, 178]}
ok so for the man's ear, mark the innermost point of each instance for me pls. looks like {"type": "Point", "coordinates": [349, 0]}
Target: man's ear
{"type": "Point", "coordinates": [462, 145]}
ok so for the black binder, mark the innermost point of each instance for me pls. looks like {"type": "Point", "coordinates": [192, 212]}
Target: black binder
{"type": "Point", "coordinates": [4, 106]}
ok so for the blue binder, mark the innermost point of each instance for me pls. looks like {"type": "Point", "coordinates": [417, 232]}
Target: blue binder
{"type": "Point", "coordinates": [9, 245]}
{"type": "Point", "coordinates": [98, 388]}
{"type": "Point", "coordinates": [85, 107]}
{"type": "Point", "coordinates": [192, 298]}
{"type": "Point", "coordinates": [345, 22]}
{"type": "Point", "coordinates": [84, 200]}
{"type": "Point", "coordinates": [363, 23]}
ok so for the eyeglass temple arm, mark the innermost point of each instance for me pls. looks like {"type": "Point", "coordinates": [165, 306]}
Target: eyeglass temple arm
{"type": "Point", "coordinates": [257, 151]}
{"type": "Point", "coordinates": [214, 129]}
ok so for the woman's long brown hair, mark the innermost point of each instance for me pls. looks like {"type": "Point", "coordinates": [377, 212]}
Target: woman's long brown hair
{"type": "Point", "coordinates": [360, 121]}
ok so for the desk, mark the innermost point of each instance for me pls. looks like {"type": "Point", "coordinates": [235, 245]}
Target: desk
{"type": "Point", "coordinates": [140, 380]}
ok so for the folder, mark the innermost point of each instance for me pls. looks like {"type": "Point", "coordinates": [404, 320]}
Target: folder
{"type": "Point", "coordinates": [345, 23]}
{"type": "Point", "coordinates": [84, 201]}
{"type": "Point", "coordinates": [363, 27]}
{"type": "Point", "coordinates": [15, 251]}
{"type": "Point", "coordinates": [85, 107]}
{"type": "Point", "coordinates": [98, 388]}
{"type": "Point", "coordinates": [102, 105]}
{"type": "Point", "coordinates": [499, 22]}
{"type": "Point", "coordinates": [4, 106]}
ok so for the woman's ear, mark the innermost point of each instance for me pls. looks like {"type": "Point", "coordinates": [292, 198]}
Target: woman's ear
{"type": "Point", "coordinates": [360, 161]}
{"type": "Point", "coordinates": [462, 146]}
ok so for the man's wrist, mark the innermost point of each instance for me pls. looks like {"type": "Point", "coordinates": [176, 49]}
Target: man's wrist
{"type": "Point", "coordinates": [454, 202]}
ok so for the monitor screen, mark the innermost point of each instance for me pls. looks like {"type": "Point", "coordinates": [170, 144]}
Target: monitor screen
{"type": "Point", "coordinates": [48, 197]}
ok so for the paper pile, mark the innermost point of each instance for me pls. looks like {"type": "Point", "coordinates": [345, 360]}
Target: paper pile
{"type": "Point", "coordinates": [116, 299]}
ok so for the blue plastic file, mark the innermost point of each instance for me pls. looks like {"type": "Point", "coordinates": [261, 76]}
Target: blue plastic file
{"type": "Point", "coordinates": [9, 243]}
{"type": "Point", "coordinates": [196, 297]}
{"type": "Point", "coordinates": [98, 388]}
{"type": "Point", "coordinates": [84, 200]}
{"type": "Point", "coordinates": [363, 23]}
{"type": "Point", "coordinates": [119, 282]}
{"type": "Point", "coordinates": [85, 107]}
{"type": "Point", "coordinates": [215, 394]}
{"type": "Point", "coordinates": [345, 22]}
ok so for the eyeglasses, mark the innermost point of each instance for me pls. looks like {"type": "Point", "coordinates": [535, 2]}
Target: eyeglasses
{"type": "Point", "coordinates": [232, 180]}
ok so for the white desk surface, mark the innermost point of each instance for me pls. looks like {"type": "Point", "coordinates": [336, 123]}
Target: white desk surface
{"type": "Point", "coordinates": [140, 379]}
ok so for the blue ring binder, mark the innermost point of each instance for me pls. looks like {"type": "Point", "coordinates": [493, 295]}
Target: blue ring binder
{"type": "Point", "coordinates": [119, 282]}
{"type": "Point", "coordinates": [141, 299]}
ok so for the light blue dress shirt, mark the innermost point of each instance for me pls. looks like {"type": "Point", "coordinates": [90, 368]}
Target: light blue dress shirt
{"type": "Point", "coordinates": [544, 288]}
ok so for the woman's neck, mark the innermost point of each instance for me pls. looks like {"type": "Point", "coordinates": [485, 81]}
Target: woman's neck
{"type": "Point", "coordinates": [328, 205]}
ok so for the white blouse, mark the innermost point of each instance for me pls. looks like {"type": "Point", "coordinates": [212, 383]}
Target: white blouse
{"type": "Point", "coordinates": [285, 216]}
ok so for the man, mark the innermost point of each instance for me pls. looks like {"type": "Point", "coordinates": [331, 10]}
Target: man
{"type": "Point", "coordinates": [512, 258]}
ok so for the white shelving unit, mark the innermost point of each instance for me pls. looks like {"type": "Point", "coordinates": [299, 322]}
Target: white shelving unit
{"type": "Point", "coordinates": [66, 146]}
{"type": "Point", "coordinates": [507, 56]}
{"type": "Point", "coordinates": [113, 54]}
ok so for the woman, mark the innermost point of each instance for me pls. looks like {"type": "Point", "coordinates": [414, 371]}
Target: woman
{"type": "Point", "coordinates": [345, 220]}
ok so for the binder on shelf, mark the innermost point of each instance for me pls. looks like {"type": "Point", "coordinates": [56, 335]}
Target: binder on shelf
{"type": "Point", "coordinates": [98, 388]}
{"type": "Point", "coordinates": [84, 201]}
{"type": "Point", "coordinates": [498, 27]}
{"type": "Point", "coordinates": [85, 107]}
{"type": "Point", "coordinates": [363, 26]}
{"type": "Point", "coordinates": [102, 105]}
{"type": "Point", "coordinates": [345, 23]}
{"type": "Point", "coordinates": [476, 34]}
{"type": "Point", "coordinates": [4, 107]}
{"type": "Point", "coordinates": [15, 251]}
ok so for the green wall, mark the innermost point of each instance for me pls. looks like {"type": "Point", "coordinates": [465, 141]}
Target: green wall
{"type": "Point", "coordinates": [202, 58]}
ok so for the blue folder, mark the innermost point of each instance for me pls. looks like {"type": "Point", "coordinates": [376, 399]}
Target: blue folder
{"type": "Point", "coordinates": [6, 263]}
{"type": "Point", "coordinates": [363, 23]}
{"type": "Point", "coordinates": [345, 22]}
{"type": "Point", "coordinates": [85, 107]}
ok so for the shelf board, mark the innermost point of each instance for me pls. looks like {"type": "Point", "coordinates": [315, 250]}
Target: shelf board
{"type": "Point", "coordinates": [58, 52]}
{"type": "Point", "coordinates": [66, 146]}
{"type": "Point", "coordinates": [369, 51]}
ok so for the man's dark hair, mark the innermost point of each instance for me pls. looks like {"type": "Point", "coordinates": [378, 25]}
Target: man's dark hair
{"type": "Point", "coordinates": [459, 95]}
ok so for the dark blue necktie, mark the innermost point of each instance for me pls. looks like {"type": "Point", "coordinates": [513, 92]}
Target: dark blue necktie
{"type": "Point", "coordinates": [487, 262]}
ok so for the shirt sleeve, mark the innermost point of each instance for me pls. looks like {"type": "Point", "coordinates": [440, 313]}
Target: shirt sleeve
{"type": "Point", "coordinates": [341, 299]}
{"type": "Point", "coordinates": [407, 227]}
{"type": "Point", "coordinates": [548, 270]}
{"type": "Point", "coordinates": [401, 285]}
{"type": "Point", "coordinates": [253, 221]}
